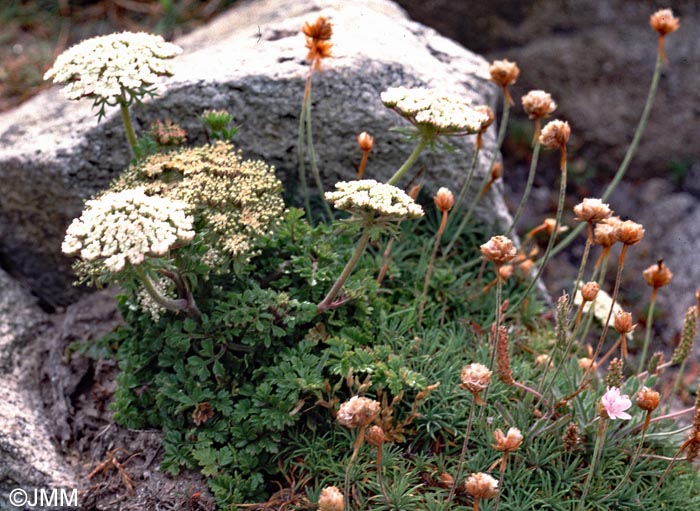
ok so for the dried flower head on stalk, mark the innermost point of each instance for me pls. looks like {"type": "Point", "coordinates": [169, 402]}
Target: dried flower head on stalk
{"type": "Point", "coordinates": [481, 486]}
{"type": "Point", "coordinates": [358, 411]}
{"type": "Point", "coordinates": [435, 112]}
{"type": "Point", "coordinates": [444, 200]}
{"type": "Point", "coordinates": [648, 399]}
{"type": "Point", "coordinates": [475, 378]}
{"type": "Point", "coordinates": [504, 73]}
{"type": "Point", "coordinates": [509, 442]}
{"type": "Point", "coordinates": [664, 22]}
{"type": "Point", "coordinates": [592, 210]}
{"type": "Point", "coordinates": [538, 104]}
{"type": "Point", "coordinates": [657, 275]}
{"type": "Point", "coordinates": [318, 35]}
{"type": "Point", "coordinates": [331, 499]}
{"type": "Point", "coordinates": [499, 250]}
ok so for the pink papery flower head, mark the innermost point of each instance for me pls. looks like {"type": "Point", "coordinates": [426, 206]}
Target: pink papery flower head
{"type": "Point", "coordinates": [615, 404]}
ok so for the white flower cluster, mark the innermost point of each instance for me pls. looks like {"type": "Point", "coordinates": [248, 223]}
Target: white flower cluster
{"type": "Point", "coordinates": [127, 226]}
{"type": "Point", "coordinates": [451, 115]}
{"type": "Point", "coordinates": [105, 66]}
{"type": "Point", "coordinates": [367, 196]}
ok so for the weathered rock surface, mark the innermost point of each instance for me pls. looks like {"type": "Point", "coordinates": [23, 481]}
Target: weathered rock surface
{"type": "Point", "coordinates": [53, 154]}
{"type": "Point", "coordinates": [28, 459]}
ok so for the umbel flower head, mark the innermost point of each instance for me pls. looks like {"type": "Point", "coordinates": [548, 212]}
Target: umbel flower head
{"type": "Point", "coordinates": [239, 200]}
{"type": "Point", "coordinates": [436, 112]}
{"type": "Point", "coordinates": [127, 227]}
{"type": "Point", "coordinates": [613, 404]}
{"type": "Point", "coordinates": [357, 412]}
{"type": "Point", "coordinates": [113, 67]}
{"type": "Point", "coordinates": [369, 200]}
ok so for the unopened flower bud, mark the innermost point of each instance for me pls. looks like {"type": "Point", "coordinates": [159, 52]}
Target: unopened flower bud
{"type": "Point", "coordinates": [664, 22]}
{"type": "Point", "coordinates": [509, 442]}
{"type": "Point", "coordinates": [444, 200]}
{"type": "Point", "coordinates": [496, 171]}
{"type": "Point", "coordinates": [375, 436]}
{"type": "Point", "coordinates": [365, 141]}
{"type": "Point", "coordinates": [614, 377]}
{"type": "Point", "coordinates": [499, 250]}
{"type": "Point", "coordinates": [592, 210]}
{"type": "Point", "coordinates": [623, 323]}
{"type": "Point", "coordinates": [657, 275]}
{"type": "Point", "coordinates": [503, 72]}
{"type": "Point", "coordinates": [690, 330]}
{"type": "Point", "coordinates": [414, 191]}
{"type": "Point", "coordinates": [655, 362]}
{"type": "Point", "coordinates": [538, 104]}
{"type": "Point", "coordinates": [571, 437]}
{"type": "Point", "coordinates": [629, 232]}
{"type": "Point", "coordinates": [555, 134]}
{"type": "Point", "coordinates": [482, 486]}
{"type": "Point", "coordinates": [647, 399]}
{"type": "Point", "coordinates": [589, 292]}
{"type": "Point", "coordinates": [331, 499]}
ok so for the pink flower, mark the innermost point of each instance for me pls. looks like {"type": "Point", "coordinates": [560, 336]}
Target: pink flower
{"type": "Point", "coordinates": [616, 404]}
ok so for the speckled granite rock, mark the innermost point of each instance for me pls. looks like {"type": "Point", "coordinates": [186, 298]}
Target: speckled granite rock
{"type": "Point", "coordinates": [53, 154]}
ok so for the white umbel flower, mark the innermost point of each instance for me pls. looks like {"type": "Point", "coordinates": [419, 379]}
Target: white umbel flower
{"type": "Point", "coordinates": [127, 226]}
{"type": "Point", "coordinates": [368, 197]}
{"type": "Point", "coordinates": [106, 66]}
{"type": "Point", "coordinates": [450, 115]}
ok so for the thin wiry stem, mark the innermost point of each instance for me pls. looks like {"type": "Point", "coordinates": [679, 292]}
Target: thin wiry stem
{"type": "Point", "coordinates": [355, 450]}
{"type": "Point", "coordinates": [647, 334]}
{"type": "Point", "coordinates": [426, 283]}
{"type": "Point", "coordinates": [628, 156]}
{"type": "Point", "coordinates": [597, 450]}
{"type": "Point", "coordinates": [300, 151]}
{"type": "Point", "coordinates": [487, 176]}
{"type": "Point", "coordinates": [460, 463]}
{"type": "Point", "coordinates": [528, 187]}
{"type": "Point", "coordinates": [468, 181]}
{"type": "Point", "coordinates": [312, 155]}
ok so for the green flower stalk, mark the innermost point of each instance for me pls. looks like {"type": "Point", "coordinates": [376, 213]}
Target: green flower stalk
{"type": "Point", "coordinates": [612, 406]}
{"type": "Point", "coordinates": [475, 379]}
{"type": "Point", "coordinates": [376, 207]}
{"type": "Point", "coordinates": [115, 69]}
{"type": "Point", "coordinates": [505, 443]}
{"type": "Point", "coordinates": [444, 200]}
{"type": "Point", "coordinates": [356, 413]}
{"type": "Point", "coordinates": [656, 276]}
{"type": "Point", "coordinates": [318, 35]}
{"type": "Point", "coordinates": [555, 135]}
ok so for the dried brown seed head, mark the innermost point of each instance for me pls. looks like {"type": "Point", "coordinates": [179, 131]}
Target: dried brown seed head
{"type": "Point", "coordinates": [555, 134]}
{"type": "Point", "coordinates": [664, 22]}
{"type": "Point", "coordinates": [629, 232]}
{"type": "Point", "coordinates": [647, 399]}
{"type": "Point", "coordinates": [331, 499]}
{"type": "Point", "coordinates": [571, 437]}
{"type": "Point", "coordinates": [538, 104]}
{"type": "Point", "coordinates": [475, 377]}
{"type": "Point", "coordinates": [444, 200]}
{"type": "Point", "coordinates": [499, 250]}
{"type": "Point", "coordinates": [657, 275]}
{"type": "Point", "coordinates": [321, 29]}
{"type": "Point", "coordinates": [482, 486]}
{"type": "Point", "coordinates": [202, 413]}
{"type": "Point", "coordinates": [592, 210]}
{"type": "Point", "coordinates": [604, 235]}
{"type": "Point", "coordinates": [505, 374]}
{"type": "Point", "coordinates": [414, 191]}
{"type": "Point", "coordinates": [509, 442]}
{"type": "Point", "coordinates": [358, 411]}
{"type": "Point", "coordinates": [623, 323]}
{"type": "Point", "coordinates": [589, 291]}
{"type": "Point", "coordinates": [318, 50]}
{"type": "Point", "coordinates": [365, 141]}
{"type": "Point", "coordinates": [503, 72]}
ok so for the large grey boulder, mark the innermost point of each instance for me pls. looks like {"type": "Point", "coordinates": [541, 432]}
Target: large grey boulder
{"type": "Point", "coordinates": [28, 457]}
{"type": "Point", "coordinates": [53, 154]}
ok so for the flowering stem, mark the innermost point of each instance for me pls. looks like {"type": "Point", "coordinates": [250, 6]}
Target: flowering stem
{"type": "Point", "coordinates": [386, 258]}
{"type": "Point", "coordinates": [676, 384]}
{"type": "Point", "coordinates": [597, 450]}
{"type": "Point", "coordinates": [528, 186]}
{"type": "Point", "coordinates": [363, 164]}
{"type": "Point", "coordinates": [300, 152]}
{"type": "Point", "coordinates": [453, 489]}
{"type": "Point", "coordinates": [128, 126]}
{"type": "Point", "coordinates": [487, 176]}
{"type": "Point", "coordinates": [349, 267]}
{"type": "Point", "coordinates": [628, 156]}
{"type": "Point", "coordinates": [673, 415]}
{"type": "Point", "coordinates": [312, 153]}
{"type": "Point", "coordinates": [601, 279]}
{"type": "Point", "coordinates": [647, 334]}
{"type": "Point", "coordinates": [410, 161]}
{"type": "Point", "coordinates": [380, 478]}
{"type": "Point", "coordinates": [634, 460]}
{"type": "Point", "coordinates": [426, 283]}
{"type": "Point", "coordinates": [584, 258]}
{"type": "Point", "coordinates": [552, 237]}
{"type": "Point", "coordinates": [504, 461]}
{"type": "Point", "coordinates": [355, 450]}
{"type": "Point", "coordinates": [470, 176]}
